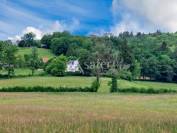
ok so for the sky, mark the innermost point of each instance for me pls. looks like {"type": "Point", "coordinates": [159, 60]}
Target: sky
{"type": "Point", "coordinates": [85, 17]}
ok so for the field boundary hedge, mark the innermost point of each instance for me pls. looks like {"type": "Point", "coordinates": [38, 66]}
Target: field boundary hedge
{"type": "Point", "coordinates": [147, 90]}
{"type": "Point", "coordinates": [47, 89]}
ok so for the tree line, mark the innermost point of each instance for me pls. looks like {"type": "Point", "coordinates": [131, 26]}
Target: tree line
{"type": "Point", "coordinates": [150, 56]}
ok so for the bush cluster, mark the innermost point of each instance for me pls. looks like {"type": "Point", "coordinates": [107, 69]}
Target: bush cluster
{"type": "Point", "coordinates": [148, 91]}
{"type": "Point", "coordinates": [114, 87]}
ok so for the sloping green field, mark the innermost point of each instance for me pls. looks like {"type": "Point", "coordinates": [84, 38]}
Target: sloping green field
{"type": "Point", "coordinates": [41, 51]}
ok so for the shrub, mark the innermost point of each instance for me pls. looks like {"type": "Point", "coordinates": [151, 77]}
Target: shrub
{"type": "Point", "coordinates": [95, 85]}
{"type": "Point", "coordinates": [124, 74]}
{"type": "Point", "coordinates": [73, 73]}
{"type": "Point", "coordinates": [114, 84]}
{"type": "Point", "coordinates": [57, 66]}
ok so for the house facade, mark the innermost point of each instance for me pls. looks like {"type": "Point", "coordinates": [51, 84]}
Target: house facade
{"type": "Point", "coordinates": [73, 66]}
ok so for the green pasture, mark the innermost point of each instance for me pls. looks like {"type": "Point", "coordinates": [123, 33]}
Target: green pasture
{"type": "Point", "coordinates": [41, 51]}
{"type": "Point", "coordinates": [77, 81]}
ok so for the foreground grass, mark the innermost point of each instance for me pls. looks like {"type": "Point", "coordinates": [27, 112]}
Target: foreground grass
{"type": "Point", "coordinates": [87, 113]}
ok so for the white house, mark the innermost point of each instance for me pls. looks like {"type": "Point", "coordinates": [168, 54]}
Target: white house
{"type": "Point", "coordinates": [73, 66]}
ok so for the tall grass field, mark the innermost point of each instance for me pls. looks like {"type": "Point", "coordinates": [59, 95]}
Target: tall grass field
{"type": "Point", "coordinates": [87, 113]}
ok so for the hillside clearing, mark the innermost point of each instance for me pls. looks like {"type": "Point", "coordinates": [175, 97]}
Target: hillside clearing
{"type": "Point", "coordinates": [41, 51]}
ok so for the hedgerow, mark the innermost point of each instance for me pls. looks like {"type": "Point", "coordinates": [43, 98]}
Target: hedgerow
{"type": "Point", "coordinates": [147, 90]}
{"type": "Point", "coordinates": [47, 89]}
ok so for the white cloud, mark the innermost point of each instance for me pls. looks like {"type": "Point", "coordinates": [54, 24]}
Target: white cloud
{"type": "Point", "coordinates": [38, 33]}
{"type": "Point", "coordinates": [57, 26]}
{"type": "Point", "coordinates": [16, 21]}
{"type": "Point", "coordinates": [145, 15]}
{"type": "Point", "coordinates": [127, 24]}
{"type": "Point", "coordinates": [15, 38]}
{"type": "Point", "coordinates": [64, 26]}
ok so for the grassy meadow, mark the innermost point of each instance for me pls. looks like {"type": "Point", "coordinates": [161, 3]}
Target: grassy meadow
{"type": "Point", "coordinates": [77, 81]}
{"type": "Point", "coordinates": [87, 112]}
{"type": "Point", "coordinates": [41, 51]}
{"type": "Point", "coordinates": [146, 84]}
{"type": "Point", "coordinates": [48, 81]}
